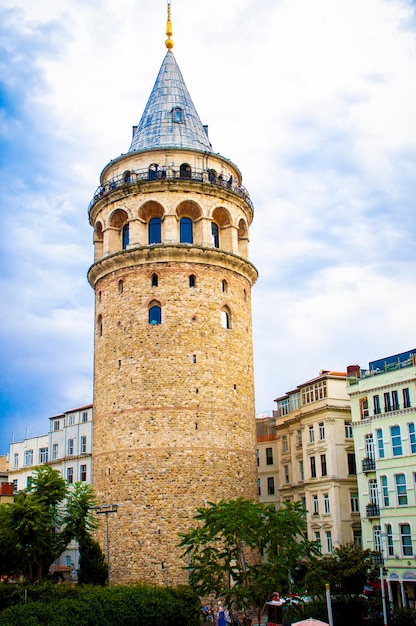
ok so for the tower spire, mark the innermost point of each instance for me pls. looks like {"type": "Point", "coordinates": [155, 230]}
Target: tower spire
{"type": "Point", "coordinates": [169, 43]}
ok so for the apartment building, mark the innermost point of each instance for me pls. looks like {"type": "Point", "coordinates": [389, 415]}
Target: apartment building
{"type": "Point", "coordinates": [313, 458]}
{"type": "Point", "coordinates": [383, 406]}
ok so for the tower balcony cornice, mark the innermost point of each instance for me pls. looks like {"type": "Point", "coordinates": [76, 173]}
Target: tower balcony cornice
{"type": "Point", "coordinates": [166, 253]}
{"type": "Point", "coordinates": [141, 181]}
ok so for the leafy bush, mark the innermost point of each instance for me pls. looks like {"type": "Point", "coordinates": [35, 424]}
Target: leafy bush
{"type": "Point", "coordinates": [88, 606]}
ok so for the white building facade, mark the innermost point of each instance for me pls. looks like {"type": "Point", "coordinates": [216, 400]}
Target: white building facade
{"type": "Point", "coordinates": [383, 406]}
{"type": "Point", "coordinates": [67, 447]}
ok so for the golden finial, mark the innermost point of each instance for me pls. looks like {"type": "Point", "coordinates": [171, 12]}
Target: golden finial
{"type": "Point", "coordinates": [169, 42]}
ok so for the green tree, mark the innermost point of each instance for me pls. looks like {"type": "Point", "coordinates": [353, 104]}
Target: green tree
{"type": "Point", "coordinates": [242, 551]}
{"type": "Point", "coordinates": [33, 524]}
{"type": "Point", "coordinates": [347, 569]}
{"type": "Point", "coordinates": [81, 521]}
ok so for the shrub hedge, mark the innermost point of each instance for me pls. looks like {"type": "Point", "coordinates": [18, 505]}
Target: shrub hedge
{"type": "Point", "coordinates": [134, 605]}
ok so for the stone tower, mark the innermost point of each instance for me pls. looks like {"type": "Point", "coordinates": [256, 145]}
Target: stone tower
{"type": "Point", "coordinates": [173, 366]}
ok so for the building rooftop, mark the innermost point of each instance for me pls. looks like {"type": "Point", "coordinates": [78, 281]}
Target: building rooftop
{"type": "Point", "coordinates": [170, 119]}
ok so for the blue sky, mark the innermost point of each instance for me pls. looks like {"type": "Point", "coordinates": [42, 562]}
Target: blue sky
{"type": "Point", "coordinates": [314, 101]}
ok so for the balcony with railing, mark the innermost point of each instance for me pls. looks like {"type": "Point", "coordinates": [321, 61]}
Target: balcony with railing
{"type": "Point", "coordinates": [170, 174]}
{"type": "Point", "coordinates": [369, 464]}
{"type": "Point", "coordinates": [373, 510]}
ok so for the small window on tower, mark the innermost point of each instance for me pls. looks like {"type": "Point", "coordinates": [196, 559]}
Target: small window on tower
{"type": "Point", "coordinates": [120, 286]}
{"type": "Point", "coordinates": [155, 280]}
{"type": "Point", "coordinates": [177, 115]}
{"type": "Point", "coordinates": [192, 280]}
{"type": "Point", "coordinates": [100, 326]}
{"type": "Point", "coordinates": [155, 314]}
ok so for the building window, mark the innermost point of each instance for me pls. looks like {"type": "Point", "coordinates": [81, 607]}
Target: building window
{"type": "Point", "coordinates": [192, 280]}
{"type": "Point", "coordinates": [155, 314]}
{"type": "Point", "coordinates": [358, 539]}
{"type": "Point", "coordinates": [83, 444]}
{"type": "Point", "coordinates": [70, 447]}
{"type": "Point", "coordinates": [355, 508]}
{"type": "Point", "coordinates": [84, 417]}
{"type": "Point", "coordinates": [225, 319]}
{"type": "Point", "coordinates": [369, 446]}
{"type": "Point", "coordinates": [224, 286]}
{"type": "Point", "coordinates": [28, 482]}
{"type": "Point", "coordinates": [395, 400]}
{"type": "Point", "coordinates": [324, 471]}
{"type": "Point", "coordinates": [125, 236]}
{"type": "Point", "coordinates": [387, 402]}
{"type": "Point", "coordinates": [155, 280]}
{"type": "Point", "coordinates": [318, 539]}
{"type": "Point", "coordinates": [286, 473]}
{"type": "Point", "coordinates": [328, 541]}
{"type": "Point", "coordinates": [270, 485]}
{"type": "Point", "coordinates": [15, 485]}
{"type": "Point", "coordinates": [385, 491]}
{"type": "Point", "coordinates": [313, 393]}
{"type": "Point", "coordinates": [269, 456]}
{"type": "Point", "coordinates": [401, 489]}
{"type": "Point", "coordinates": [258, 457]}
{"type": "Point", "coordinates": [56, 425]}
{"type": "Point", "coordinates": [396, 441]}
{"type": "Point", "coordinates": [120, 287]}
{"type": "Point", "coordinates": [390, 544]}
{"type": "Point", "coordinates": [71, 419]}
{"type": "Point", "coordinates": [215, 235]}
{"type": "Point", "coordinates": [377, 538]}
{"type": "Point", "coordinates": [326, 503]}
{"type": "Point", "coordinates": [348, 430]}
{"type": "Point", "coordinates": [28, 457]}
{"type": "Point", "coordinates": [284, 443]}
{"type": "Point", "coordinates": [412, 438]}
{"type": "Point", "coordinates": [301, 470]}
{"type": "Point", "coordinates": [99, 327]}
{"type": "Point", "coordinates": [177, 115]}
{"type": "Point", "coordinates": [406, 540]}
{"type": "Point", "coordinates": [315, 504]}
{"type": "Point", "coordinates": [54, 451]}
{"type": "Point", "coordinates": [15, 460]}
{"type": "Point", "coordinates": [313, 467]}
{"type": "Point", "coordinates": [321, 426]}
{"type": "Point", "coordinates": [83, 473]}
{"type": "Point", "coordinates": [406, 398]}
{"type": "Point", "coordinates": [259, 486]}
{"type": "Point", "coordinates": [186, 230]}
{"type": "Point", "coordinates": [352, 467]}
{"type": "Point", "coordinates": [376, 405]}
{"type": "Point", "coordinates": [373, 491]}
{"type": "Point", "coordinates": [299, 438]}
{"type": "Point", "coordinates": [380, 443]}
{"type": "Point", "coordinates": [311, 434]}
{"type": "Point", "coordinates": [43, 455]}
{"type": "Point", "coordinates": [70, 475]}
{"type": "Point", "coordinates": [364, 412]}
{"type": "Point", "coordinates": [154, 230]}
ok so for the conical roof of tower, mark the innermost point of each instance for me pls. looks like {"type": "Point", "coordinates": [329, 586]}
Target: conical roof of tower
{"type": "Point", "coordinates": [170, 119]}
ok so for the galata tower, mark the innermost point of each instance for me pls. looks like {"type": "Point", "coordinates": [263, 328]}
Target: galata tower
{"type": "Point", "coordinates": [173, 362]}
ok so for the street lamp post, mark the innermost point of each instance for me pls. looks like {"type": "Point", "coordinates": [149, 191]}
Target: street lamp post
{"type": "Point", "coordinates": [106, 509]}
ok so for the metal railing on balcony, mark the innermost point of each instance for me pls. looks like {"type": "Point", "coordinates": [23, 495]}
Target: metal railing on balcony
{"type": "Point", "coordinates": [148, 175]}
{"type": "Point", "coordinates": [373, 510]}
{"type": "Point", "coordinates": [369, 464]}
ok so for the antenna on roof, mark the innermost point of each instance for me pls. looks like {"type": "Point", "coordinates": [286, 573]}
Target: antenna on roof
{"type": "Point", "coordinates": [169, 43]}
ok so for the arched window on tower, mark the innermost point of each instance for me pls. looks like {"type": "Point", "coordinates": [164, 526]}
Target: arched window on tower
{"type": "Point", "coordinates": [155, 314]}
{"type": "Point", "coordinates": [186, 230]}
{"type": "Point", "coordinates": [120, 286]}
{"type": "Point", "coordinates": [155, 230]}
{"type": "Point", "coordinates": [192, 280]}
{"type": "Point", "coordinates": [177, 115]}
{"type": "Point", "coordinates": [224, 286]}
{"type": "Point", "coordinates": [215, 235]}
{"type": "Point", "coordinates": [126, 236]}
{"type": "Point", "coordinates": [155, 280]}
{"type": "Point", "coordinates": [185, 171]}
{"type": "Point", "coordinates": [226, 318]}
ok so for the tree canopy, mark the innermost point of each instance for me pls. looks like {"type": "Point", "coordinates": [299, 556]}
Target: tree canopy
{"type": "Point", "coordinates": [242, 551]}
